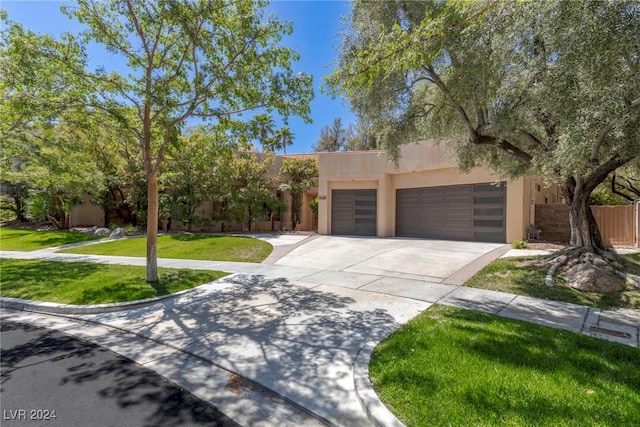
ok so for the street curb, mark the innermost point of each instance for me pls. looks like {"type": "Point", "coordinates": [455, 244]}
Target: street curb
{"type": "Point", "coordinates": [50, 307]}
{"type": "Point", "coordinates": [55, 308]}
{"type": "Point", "coordinates": [377, 413]}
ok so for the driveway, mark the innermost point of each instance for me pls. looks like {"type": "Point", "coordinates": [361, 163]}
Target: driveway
{"type": "Point", "coordinates": [298, 324]}
{"type": "Point", "coordinates": [431, 260]}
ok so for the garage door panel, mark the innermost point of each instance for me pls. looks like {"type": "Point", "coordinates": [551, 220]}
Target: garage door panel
{"type": "Point", "coordinates": [465, 212]}
{"type": "Point", "coordinates": [353, 212]}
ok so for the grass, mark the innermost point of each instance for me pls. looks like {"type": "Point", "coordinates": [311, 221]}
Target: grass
{"type": "Point", "coordinates": [90, 283]}
{"type": "Point", "coordinates": [186, 246]}
{"type": "Point", "coordinates": [450, 366]}
{"type": "Point", "coordinates": [523, 276]}
{"type": "Point", "coordinates": [18, 239]}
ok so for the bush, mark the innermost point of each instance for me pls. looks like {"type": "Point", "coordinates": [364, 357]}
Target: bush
{"type": "Point", "coordinates": [519, 244]}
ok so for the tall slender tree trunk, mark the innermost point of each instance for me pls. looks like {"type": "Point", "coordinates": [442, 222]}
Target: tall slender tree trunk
{"type": "Point", "coordinates": [152, 198]}
{"type": "Point", "coordinates": [152, 228]}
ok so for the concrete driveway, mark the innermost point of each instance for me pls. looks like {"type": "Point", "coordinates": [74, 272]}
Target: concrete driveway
{"type": "Point", "coordinates": [430, 260]}
{"type": "Point", "coordinates": [295, 324]}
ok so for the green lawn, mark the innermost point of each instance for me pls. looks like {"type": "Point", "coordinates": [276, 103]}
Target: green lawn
{"type": "Point", "coordinates": [186, 246]}
{"type": "Point", "coordinates": [91, 283]}
{"type": "Point", "coordinates": [18, 239]}
{"type": "Point", "coordinates": [450, 366]}
{"type": "Point", "coordinates": [524, 276]}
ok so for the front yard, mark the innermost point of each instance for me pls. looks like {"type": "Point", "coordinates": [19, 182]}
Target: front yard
{"type": "Point", "coordinates": [450, 366]}
{"type": "Point", "coordinates": [524, 276]}
{"type": "Point", "coordinates": [92, 283]}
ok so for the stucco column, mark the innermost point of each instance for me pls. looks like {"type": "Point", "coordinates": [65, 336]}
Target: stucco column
{"type": "Point", "coordinates": [386, 209]}
{"type": "Point", "coordinates": [323, 206]}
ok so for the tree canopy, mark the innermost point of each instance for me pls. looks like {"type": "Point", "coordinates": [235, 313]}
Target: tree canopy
{"type": "Point", "coordinates": [546, 89]}
{"type": "Point", "coordinates": [332, 137]}
{"type": "Point", "coordinates": [213, 60]}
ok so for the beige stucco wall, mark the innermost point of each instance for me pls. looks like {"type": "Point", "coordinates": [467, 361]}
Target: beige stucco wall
{"type": "Point", "coordinates": [420, 165]}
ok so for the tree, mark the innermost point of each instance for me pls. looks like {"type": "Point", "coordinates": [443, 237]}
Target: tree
{"type": "Point", "coordinates": [626, 183]}
{"type": "Point", "coordinates": [302, 174]}
{"type": "Point", "coordinates": [360, 137]}
{"type": "Point", "coordinates": [198, 59]}
{"type": "Point", "coordinates": [37, 88]}
{"type": "Point", "coordinates": [251, 189]}
{"type": "Point", "coordinates": [332, 138]}
{"type": "Point", "coordinates": [264, 129]}
{"type": "Point", "coordinates": [539, 88]}
{"type": "Point", "coordinates": [39, 83]}
{"type": "Point", "coordinates": [282, 138]}
{"type": "Point", "coordinates": [620, 188]}
{"type": "Point", "coordinates": [194, 172]}
{"type": "Point", "coordinates": [59, 166]}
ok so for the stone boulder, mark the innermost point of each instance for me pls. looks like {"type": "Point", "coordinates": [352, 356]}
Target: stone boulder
{"type": "Point", "coordinates": [118, 233]}
{"type": "Point", "coordinates": [588, 277]}
{"type": "Point", "coordinates": [102, 232]}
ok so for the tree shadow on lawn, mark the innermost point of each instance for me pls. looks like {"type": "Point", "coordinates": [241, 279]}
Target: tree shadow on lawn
{"type": "Point", "coordinates": [90, 379]}
{"type": "Point", "coordinates": [33, 279]}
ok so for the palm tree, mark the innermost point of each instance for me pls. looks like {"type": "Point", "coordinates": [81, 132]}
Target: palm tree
{"type": "Point", "coordinates": [282, 138]}
{"type": "Point", "coordinates": [264, 125]}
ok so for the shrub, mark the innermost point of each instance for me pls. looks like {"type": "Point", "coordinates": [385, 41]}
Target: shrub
{"type": "Point", "coordinates": [519, 244]}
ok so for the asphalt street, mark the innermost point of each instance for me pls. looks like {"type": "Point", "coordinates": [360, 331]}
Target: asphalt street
{"type": "Point", "coordinates": [49, 378]}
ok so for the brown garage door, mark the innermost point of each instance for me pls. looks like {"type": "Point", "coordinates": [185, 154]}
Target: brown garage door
{"type": "Point", "coordinates": [353, 212]}
{"type": "Point", "coordinates": [461, 212]}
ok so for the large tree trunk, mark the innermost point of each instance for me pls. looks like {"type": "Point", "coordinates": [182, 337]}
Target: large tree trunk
{"type": "Point", "coordinates": [584, 229]}
{"type": "Point", "coordinates": [152, 228]}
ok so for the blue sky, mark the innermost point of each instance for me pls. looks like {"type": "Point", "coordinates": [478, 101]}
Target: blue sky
{"type": "Point", "coordinates": [315, 37]}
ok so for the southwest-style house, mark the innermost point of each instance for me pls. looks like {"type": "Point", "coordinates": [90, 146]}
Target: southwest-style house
{"type": "Point", "coordinates": [363, 193]}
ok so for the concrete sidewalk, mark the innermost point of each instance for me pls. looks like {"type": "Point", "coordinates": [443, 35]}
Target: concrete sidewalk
{"type": "Point", "coordinates": [298, 330]}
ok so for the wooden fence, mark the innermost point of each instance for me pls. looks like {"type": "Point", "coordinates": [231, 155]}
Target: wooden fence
{"type": "Point", "coordinates": [619, 225]}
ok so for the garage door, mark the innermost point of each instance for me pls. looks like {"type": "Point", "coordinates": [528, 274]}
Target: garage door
{"type": "Point", "coordinates": [353, 212]}
{"type": "Point", "coordinates": [460, 212]}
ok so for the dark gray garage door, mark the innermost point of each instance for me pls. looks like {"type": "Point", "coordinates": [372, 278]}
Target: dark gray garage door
{"type": "Point", "coordinates": [353, 212]}
{"type": "Point", "coordinates": [461, 212]}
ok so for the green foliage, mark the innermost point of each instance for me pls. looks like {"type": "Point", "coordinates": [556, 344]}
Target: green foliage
{"type": "Point", "coordinates": [39, 78]}
{"type": "Point", "coordinates": [300, 175]}
{"type": "Point", "coordinates": [211, 60]}
{"type": "Point", "coordinates": [251, 193]}
{"type": "Point", "coordinates": [332, 138]}
{"type": "Point", "coordinates": [282, 138]}
{"type": "Point", "coordinates": [361, 137]}
{"type": "Point", "coordinates": [194, 172]}
{"type": "Point", "coordinates": [450, 366]}
{"type": "Point", "coordinates": [314, 205]}
{"type": "Point", "coordinates": [40, 207]}
{"type": "Point", "coordinates": [519, 244]}
{"type": "Point", "coordinates": [539, 88]}
{"type": "Point", "coordinates": [90, 283]}
{"type": "Point", "coordinates": [603, 196]}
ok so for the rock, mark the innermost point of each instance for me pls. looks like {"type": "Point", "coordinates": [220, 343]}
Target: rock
{"type": "Point", "coordinates": [587, 277]}
{"type": "Point", "coordinates": [599, 262]}
{"type": "Point", "coordinates": [118, 233]}
{"type": "Point", "coordinates": [102, 231]}
{"type": "Point", "coordinates": [609, 256]}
